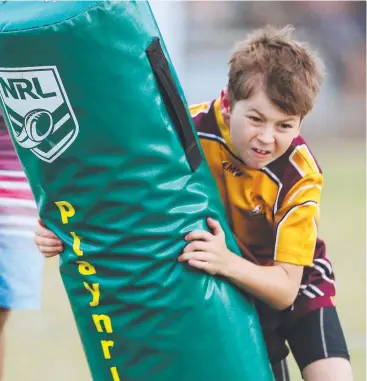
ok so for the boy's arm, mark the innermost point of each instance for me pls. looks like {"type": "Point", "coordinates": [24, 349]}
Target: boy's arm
{"type": "Point", "coordinates": [295, 229]}
{"type": "Point", "coordinates": [276, 285]}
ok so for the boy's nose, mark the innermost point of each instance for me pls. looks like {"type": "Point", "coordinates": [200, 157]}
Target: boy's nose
{"type": "Point", "coordinates": [266, 136]}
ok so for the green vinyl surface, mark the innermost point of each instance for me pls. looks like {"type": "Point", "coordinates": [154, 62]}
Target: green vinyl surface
{"type": "Point", "coordinates": [110, 170]}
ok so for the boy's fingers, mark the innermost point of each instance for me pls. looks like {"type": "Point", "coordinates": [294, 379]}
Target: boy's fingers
{"type": "Point", "coordinates": [196, 255]}
{"type": "Point", "coordinates": [215, 226]}
{"type": "Point", "coordinates": [44, 232]}
{"type": "Point", "coordinates": [50, 255]}
{"type": "Point", "coordinates": [47, 250]}
{"type": "Point", "coordinates": [202, 265]}
{"type": "Point", "coordinates": [195, 245]}
{"type": "Point", "coordinates": [50, 249]}
{"type": "Point", "coordinates": [199, 234]}
{"type": "Point", "coordinates": [50, 242]}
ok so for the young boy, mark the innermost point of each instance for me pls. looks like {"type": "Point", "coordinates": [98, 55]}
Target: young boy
{"type": "Point", "coordinates": [270, 185]}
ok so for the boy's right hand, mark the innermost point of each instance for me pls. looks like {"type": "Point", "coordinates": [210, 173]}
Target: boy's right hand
{"type": "Point", "coordinates": [47, 242]}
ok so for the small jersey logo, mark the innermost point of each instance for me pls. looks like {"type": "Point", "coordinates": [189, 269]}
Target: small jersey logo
{"type": "Point", "coordinates": [257, 211]}
{"type": "Point", "coordinates": [261, 207]}
{"type": "Point", "coordinates": [231, 168]}
{"type": "Point", "coordinates": [38, 110]}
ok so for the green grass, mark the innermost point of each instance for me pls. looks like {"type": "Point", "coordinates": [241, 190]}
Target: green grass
{"type": "Point", "coordinates": [44, 345]}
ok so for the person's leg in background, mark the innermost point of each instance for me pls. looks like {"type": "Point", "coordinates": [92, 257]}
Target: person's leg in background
{"type": "Point", "coordinates": [4, 313]}
{"type": "Point", "coordinates": [21, 276]}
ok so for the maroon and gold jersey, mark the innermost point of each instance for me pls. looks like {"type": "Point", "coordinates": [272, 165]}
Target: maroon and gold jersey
{"type": "Point", "coordinates": [273, 212]}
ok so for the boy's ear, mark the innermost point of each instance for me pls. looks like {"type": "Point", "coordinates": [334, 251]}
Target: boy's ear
{"type": "Point", "coordinates": [225, 108]}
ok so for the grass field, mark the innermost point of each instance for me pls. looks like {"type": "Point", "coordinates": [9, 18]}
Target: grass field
{"type": "Point", "coordinates": [44, 345]}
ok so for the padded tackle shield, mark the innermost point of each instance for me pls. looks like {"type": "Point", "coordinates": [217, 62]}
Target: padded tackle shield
{"type": "Point", "coordinates": [100, 124]}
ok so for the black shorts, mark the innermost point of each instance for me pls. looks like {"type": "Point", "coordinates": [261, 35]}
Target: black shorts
{"type": "Point", "coordinates": [280, 370]}
{"type": "Point", "coordinates": [318, 335]}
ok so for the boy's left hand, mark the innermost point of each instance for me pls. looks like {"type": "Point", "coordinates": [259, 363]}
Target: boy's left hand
{"type": "Point", "coordinates": [208, 251]}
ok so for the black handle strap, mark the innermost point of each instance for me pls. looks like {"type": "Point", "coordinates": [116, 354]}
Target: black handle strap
{"type": "Point", "coordinates": [174, 104]}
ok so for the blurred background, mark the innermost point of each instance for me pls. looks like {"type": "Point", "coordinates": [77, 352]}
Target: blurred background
{"type": "Point", "coordinates": [200, 35]}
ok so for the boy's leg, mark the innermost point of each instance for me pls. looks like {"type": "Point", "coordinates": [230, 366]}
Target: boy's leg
{"type": "Point", "coordinates": [280, 370]}
{"type": "Point", "coordinates": [312, 326]}
{"type": "Point", "coordinates": [319, 348]}
{"type": "Point", "coordinates": [330, 369]}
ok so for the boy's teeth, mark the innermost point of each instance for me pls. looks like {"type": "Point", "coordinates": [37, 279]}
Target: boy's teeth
{"type": "Point", "coordinates": [260, 151]}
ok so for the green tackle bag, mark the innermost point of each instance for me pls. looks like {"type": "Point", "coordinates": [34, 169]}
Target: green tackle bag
{"type": "Point", "coordinates": [100, 124]}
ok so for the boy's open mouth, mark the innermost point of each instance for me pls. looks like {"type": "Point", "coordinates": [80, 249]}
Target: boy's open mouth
{"type": "Point", "coordinates": [261, 151]}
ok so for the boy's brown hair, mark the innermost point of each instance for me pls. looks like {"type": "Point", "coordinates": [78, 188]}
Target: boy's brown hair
{"type": "Point", "coordinates": [270, 58]}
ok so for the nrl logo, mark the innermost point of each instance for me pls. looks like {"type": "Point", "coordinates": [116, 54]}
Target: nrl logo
{"type": "Point", "coordinates": [38, 110]}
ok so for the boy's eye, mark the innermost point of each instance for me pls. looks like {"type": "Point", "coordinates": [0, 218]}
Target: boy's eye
{"type": "Point", "coordinates": [255, 118]}
{"type": "Point", "coordinates": [284, 125]}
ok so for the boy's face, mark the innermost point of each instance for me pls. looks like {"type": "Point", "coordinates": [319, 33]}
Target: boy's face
{"type": "Point", "coordinates": [260, 131]}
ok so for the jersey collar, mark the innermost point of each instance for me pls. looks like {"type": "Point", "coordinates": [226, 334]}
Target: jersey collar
{"type": "Point", "coordinates": [223, 127]}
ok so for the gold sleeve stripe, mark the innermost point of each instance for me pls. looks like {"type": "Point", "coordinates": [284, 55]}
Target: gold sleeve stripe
{"type": "Point", "coordinates": [302, 159]}
{"type": "Point", "coordinates": [302, 189]}
{"type": "Point", "coordinates": [198, 108]}
{"type": "Point", "coordinates": [281, 222]}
